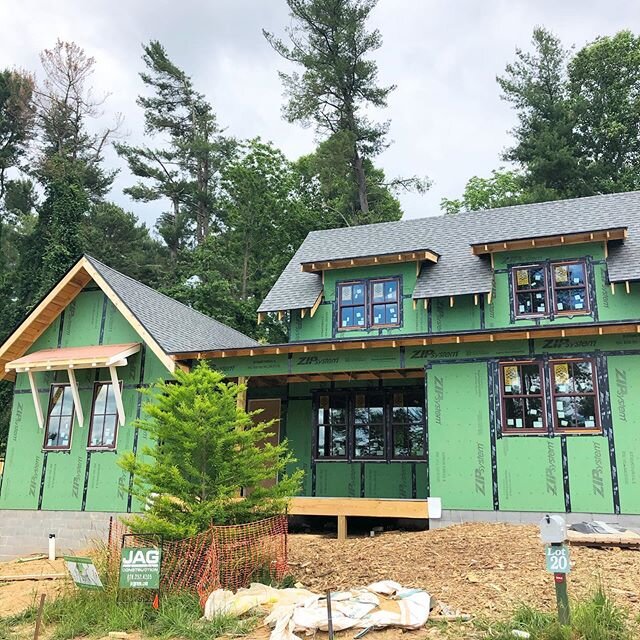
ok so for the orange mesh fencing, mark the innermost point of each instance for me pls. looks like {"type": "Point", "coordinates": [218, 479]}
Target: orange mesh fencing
{"type": "Point", "coordinates": [227, 557]}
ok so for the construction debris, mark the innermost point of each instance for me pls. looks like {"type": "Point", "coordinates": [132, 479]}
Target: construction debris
{"type": "Point", "coordinates": [377, 606]}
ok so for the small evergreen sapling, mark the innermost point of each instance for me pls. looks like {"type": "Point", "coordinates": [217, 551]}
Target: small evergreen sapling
{"type": "Point", "coordinates": [204, 451]}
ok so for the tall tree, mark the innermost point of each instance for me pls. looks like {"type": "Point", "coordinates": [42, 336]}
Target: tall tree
{"type": "Point", "coordinates": [186, 171]}
{"type": "Point", "coordinates": [502, 189]}
{"type": "Point", "coordinates": [604, 86]}
{"type": "Point", "coordinates": [545, 150]}
{"type": "Point", "coordinates": [338, 82]}
{"type": "Point", "coordinates": [266, 209]}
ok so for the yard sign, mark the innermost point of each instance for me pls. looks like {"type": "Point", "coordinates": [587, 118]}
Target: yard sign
{"type": "Point", "coordinates": [83, 572]}
{"type": "Point", "coordinates": [140, 568]}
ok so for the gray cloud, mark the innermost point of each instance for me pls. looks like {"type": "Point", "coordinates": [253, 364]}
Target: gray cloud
{"type": "Point", "coordinates": [448, 121]}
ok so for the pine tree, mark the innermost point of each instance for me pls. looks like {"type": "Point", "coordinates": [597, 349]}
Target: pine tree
{"type": "Point", "coordinates": [206, 451]}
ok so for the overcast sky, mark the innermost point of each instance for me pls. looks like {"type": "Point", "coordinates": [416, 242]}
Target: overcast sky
{"type": "Point", "coordinates": [448, 121]}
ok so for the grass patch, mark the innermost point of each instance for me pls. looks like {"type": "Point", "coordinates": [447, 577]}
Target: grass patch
{"type": "Point", "coordinates": [96, 613]}
{"type": "Point", "coordinates": [596, 618]}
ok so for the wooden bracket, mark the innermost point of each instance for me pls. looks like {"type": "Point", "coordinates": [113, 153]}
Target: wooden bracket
{"type": "Point", "coordinates": [36, 400]}
{"type": "Point", "coordinates": [73, 383]}
{"type": "Point", "coordinates": [117, 392]}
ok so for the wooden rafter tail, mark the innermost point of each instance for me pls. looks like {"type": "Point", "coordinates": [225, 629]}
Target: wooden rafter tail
{"type": "Point", "coordinates": [260, 317]}
{"type": "Point", "coordinates": [627, 286]}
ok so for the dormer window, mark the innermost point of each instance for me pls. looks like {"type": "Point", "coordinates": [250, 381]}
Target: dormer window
{"type": "Point", "coordinates": [369, 304]}
{"type": "Point", "coordinates": [352, 305]}
{"type": "Point", "coordinates": [557, 287]}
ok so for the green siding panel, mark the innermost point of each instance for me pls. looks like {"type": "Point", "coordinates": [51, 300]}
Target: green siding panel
{"type": "Point", "coordinates": [82, 319]}
{"type": "Point", "coordinates": [24, 458]}
{"type": "Point", "coordinates": [589, 475]}
{"type": "Point", "coordinates": [463, 315]}
{"type": "Point", "coordinates": [337, 479]}
{"type": "Point", "coordinates": [530, 474]}
{"type": "Point", "coordinates": [391, 480]}
{"type": "Point", "coordinates": [422, 480]}
{"type": "Point", "coordinates": [624, 386]}
{"type": "Point", "coordinates": [459, 445]}
{"type": "Point", "coordinates": [299, 435]}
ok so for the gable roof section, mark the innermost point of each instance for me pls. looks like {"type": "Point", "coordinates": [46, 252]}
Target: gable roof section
{"type": "Point", "coordinates": [176, 327]}
{"type": "Point", "coordinates": [458, 271]}
{"type": "Point", "coordinates": [166, 325]}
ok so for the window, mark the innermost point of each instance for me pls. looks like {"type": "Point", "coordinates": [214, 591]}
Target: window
{"type": "Point", "coordinates": [332, 426]}
{"type": "Point", "coordinates": [575, 395]}
{"type": "Point", "coordinates": [59, 418]}
{"type": "Point", "coordinates": [384, 302]}
{"type": "Point", "coordinates": [369, 304]}
{"type": "Point", "coordinates": [530, 286]}
{"type": "Point", "coordinates": [522, 397]}
{"type": "Point", "coordinates": [351, 306]}
{"type": "Point", "coordinates": [569, 287]}
{"type": "Point", "coordinates": [371, 424]}
{"type": "Point", "coordinates": [408, 425]}
{"type": "Point", "coordinates": [562, 283]}
{"type": "Point", "coordinates": [104, 417]}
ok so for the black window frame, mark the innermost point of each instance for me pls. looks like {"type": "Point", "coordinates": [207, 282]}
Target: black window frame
{"type": "Point", "coordinates": [91, 447]}
{"type": "Point", "coordinates": [507, 429]}
{"type": "Point", "coordinates": [350, 396]}
{"type": "Point", "coordinates": [550, 289]}
{"type": "Point", "coordinates": [371, 303]}
{"type": "Point", "coordinates": [571, 362]}
{"type": "Point", "coordinates": [554, 288]}
{"type": "Point", "coordinates": [66, 389]}
{"type": "Point", "coordinates": [544, 289]}
{"type": "Point", "coordinates": [351, 283]}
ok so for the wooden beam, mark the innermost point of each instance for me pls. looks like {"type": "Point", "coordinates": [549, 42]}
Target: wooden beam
{"type": "Point", "coordinates": [316, 304]}
{"type": "Point", "coordinates": [366, 261]}
{"type": "Point", "coordinates": [617, 233]}
{"type": "Point", "coordinates": [241, 398]}
{"type": "Point", "coordinates": [75, 393]}
{"type": "Point", "coordinates": [36, 399]}
{"type": "Point", "coordinates": [117, 392]}
{"type": "Point", "coordinates": [361, 507]}
{"type": "Point", "coordinates": [613, 288]}
{"type": "Point", "coordinates": [260, 318]}
{"type": "Point", "coordinates": [627, 286]}
{"type": "Point", "coordinates": [451, 301]}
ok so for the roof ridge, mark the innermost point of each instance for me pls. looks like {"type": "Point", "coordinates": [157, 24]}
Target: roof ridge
{"type": "Point", "coordinates": [164, 295]}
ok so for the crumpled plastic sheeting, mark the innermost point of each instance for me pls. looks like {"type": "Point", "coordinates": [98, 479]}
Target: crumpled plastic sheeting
{"type": "Point", "coordinates": [298, 610]}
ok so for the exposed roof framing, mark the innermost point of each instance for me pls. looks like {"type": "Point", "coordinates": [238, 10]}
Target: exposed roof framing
{"type": "Point", "coordinates": [462, 337]}
{"type": "Point", "coordinates": [393, 374]}
{"type": "Point", "coordinates": [601, 235]}
{"type": "Point", "coordinates": [368, 261]}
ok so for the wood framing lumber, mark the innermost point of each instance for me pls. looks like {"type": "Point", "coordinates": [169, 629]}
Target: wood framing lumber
{"type": "Point", "coordinates": [365, 507]}
{"type": "Point", "coordinates": [366, 261]}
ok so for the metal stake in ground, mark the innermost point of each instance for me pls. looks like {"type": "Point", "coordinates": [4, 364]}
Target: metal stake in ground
{"type": "Point", "coordinates": [553, 532]}
{"type": "Point", "coordinates": [329, 618]}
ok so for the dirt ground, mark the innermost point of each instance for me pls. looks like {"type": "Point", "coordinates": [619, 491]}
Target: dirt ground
{"type": "Point", "coordinates": [485, 570]}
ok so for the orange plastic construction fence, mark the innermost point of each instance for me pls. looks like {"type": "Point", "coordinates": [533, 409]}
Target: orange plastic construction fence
{"type": "Point", "coordinates": [226, 557]}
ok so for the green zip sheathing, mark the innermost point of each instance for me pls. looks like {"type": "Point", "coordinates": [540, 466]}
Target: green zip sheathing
{"type": "Point", "coordinates": [590, 482]}
{"type": "Point", "coordinates": [338, 479]}
{"type": "Point", "coordinates": [388, 480]}
{"type": "Point", "coordinates": [459, 437]}
{"type": "Point", "coordinates": [77, 479]}
{"type": "Point", "coordinates": [300, 436]}
{"type": "Point", "coordinates": [530, 474]}
{"type": "Point", "coordinates": [624, 387]}
{"type": "Point", "coordinates": [463, 315]}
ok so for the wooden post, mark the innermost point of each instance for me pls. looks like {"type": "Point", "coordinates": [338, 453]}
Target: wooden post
{"type": "Point", "coordinates": [342, 527]}
{"type": "Point", "coordinates": [241, 400]}
{"type": "Point", "coordinates": [36, 633]}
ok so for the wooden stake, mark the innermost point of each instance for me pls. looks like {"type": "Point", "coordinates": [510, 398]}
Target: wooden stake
{"type": "Point", "coordinates": [36, 633]}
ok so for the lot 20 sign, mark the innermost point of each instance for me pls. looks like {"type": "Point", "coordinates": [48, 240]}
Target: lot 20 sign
{"type": "Point", "coordinates": [140, 568]}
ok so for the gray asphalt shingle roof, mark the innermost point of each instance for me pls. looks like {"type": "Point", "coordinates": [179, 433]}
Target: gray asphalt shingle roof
{"type": "Point", "coordinates": [458, 271]}
{"type": "Point", "coordinates": [174, 326]}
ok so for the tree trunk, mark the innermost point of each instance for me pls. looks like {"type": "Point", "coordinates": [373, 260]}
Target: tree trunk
{"type": "Point", "coordinates": [361, 180]}
{"type": "Point", "coordinates": [245, 273]}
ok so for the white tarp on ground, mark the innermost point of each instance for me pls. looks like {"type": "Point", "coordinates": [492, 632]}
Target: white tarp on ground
{"type": "Point", "coordinates": [292, 611]}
